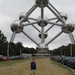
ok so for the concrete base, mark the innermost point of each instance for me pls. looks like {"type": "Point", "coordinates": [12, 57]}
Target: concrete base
{"type": "Point", "coordinates": [42, 52]}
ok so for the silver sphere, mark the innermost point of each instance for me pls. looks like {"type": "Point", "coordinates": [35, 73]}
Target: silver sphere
{"type": "Point", "coordinates": [15, 26]}
{"type": "Point", "coordinates": [45, 35]}
{"type": "Point", "coordinates": [64, 15]}
{"type": "Point", "coordinates": [22, 15]}
{"type": "Point", "coordinates": [68, 28]}
{"type": "Point", "coordinates": [42, 22]}
{"type": "Point", "coordinates": [42, 3]}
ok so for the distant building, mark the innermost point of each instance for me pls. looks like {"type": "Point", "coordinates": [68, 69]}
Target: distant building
{"type": "Point", "coordinates": [26, 55]}
{"type": "Point", "coordinates": [42, 53]}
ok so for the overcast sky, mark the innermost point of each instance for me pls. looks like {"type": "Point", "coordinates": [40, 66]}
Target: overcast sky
{"type": "Point", "coordinates": [10, 10]}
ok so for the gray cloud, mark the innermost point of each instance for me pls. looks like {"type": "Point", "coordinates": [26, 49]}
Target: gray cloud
{"type": "Point", "coordinates": [10, 10]}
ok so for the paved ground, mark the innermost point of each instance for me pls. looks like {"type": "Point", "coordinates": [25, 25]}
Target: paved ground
{"type": "Point", "coordinates": [44, 67]}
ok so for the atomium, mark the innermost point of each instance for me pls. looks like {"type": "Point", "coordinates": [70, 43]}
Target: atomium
{"type": "Point", "coordinates": [60, 19]}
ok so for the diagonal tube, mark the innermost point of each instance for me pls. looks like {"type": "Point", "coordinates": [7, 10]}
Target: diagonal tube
{"type": "Point", "coordinates": [58, 16]}
{"type": "Point", "coordinates": [50, 27]}
{"type": "Point", "coordinates": [54, 38]}
{"type": "Point", "coordinates": [30, 38]}
{"type": "Point", "coordinates": [32, 18]}
{"type": "Point", "coordinates": [35, 27]}
{"type": "Point", "coordinates": [28, 24]}
{"type": "Point", "coordinates": [56, 24]}
{"type": "Point", "coordinates": [54, 8]}
{"type": "Point", "coordinates": [52, 19]}
{"type": "Point", "coordinates": [29, 12]}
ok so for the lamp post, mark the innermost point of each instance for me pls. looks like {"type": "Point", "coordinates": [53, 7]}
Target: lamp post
{"type": "Point", "coordinates": [61, 52]}
{"type": "Point", "coordinates": [8, 49]}
{"type": "Point", "coordinates": [71, 50]}
{"type": "Point", "coordinates": [20, 52]}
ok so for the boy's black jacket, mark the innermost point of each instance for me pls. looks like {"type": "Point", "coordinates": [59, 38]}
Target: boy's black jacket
{"type": "Point", "coordinates": [33, 65]}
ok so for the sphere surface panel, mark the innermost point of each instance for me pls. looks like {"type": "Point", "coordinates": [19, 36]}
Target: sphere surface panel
{"type": "Point", "coordinates": [42, 22]}
{"type": "Point", "coordinates": [68, 28]}
{"type": "Point", "coordinates": [42, 3]}
{"type": "Point", "coordinates": [45, 35]}
{"type": "Point", "coordinates": [15, 26]}
{"type": "Point", "coordinates": [64, 15]}
{"type": "Point", "coordinates": [22, 15]}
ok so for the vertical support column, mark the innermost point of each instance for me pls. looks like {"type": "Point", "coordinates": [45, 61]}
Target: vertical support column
{"type": "Point", "coordinates": [71, 50]}
{"type": "Point", "coordinates": [61, 52]}
{"type": "Point", "coordinates": [29, 12]}
{"type": "Point", "coordinates": [42, 28]}
{"type": "Point", "coordinates": [13, 37]}
{"type": "Point", "coordinates": [8, 50]}
{"type": "Point", "coordinates": [42, 13]}
{"type": "Point", "coordinates": [20, 52]}
{"type": "Point", "coordinates": [42, 35]}
{"type": "Point", "coordinates": [71, 38]}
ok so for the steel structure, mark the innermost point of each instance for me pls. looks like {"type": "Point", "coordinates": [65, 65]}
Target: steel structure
{"type": "Point", "coordinates": [65, 25]}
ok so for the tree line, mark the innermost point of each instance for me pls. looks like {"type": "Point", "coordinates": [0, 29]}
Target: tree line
{"type": "Point", "coordinates": [64, 50]}
{"type": "Point", "coordinates": [14, 48]}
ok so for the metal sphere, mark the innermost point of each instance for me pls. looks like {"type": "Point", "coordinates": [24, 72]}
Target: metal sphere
{"type": "Point", "coordinates": [42, 3]}
{"type": "Point", "coordinates": [64, 15]}
{"type": "Point", "coordinates": [68, 28]}
{"type": "Point", "coordinates": [45, 35]}
{"type": "Point", "coordinates": [42, 22]}
{"type": "Point", "coordinates": [22, 15]}
{"type": "Point", "coordinates": [15, 26]}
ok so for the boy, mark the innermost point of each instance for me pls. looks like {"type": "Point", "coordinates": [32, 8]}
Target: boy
{"type": "Point", "coordinates": [33, 66]}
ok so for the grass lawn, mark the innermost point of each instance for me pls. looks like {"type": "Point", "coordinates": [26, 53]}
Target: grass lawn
{"type": "Point", "coordinates": [12, 62]}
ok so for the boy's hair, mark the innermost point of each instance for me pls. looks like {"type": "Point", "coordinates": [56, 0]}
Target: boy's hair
{"type": "Point", "coordinates": [33, 58]}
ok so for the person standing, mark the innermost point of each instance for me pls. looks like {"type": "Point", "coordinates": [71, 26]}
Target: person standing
{"type": "Point", "coordinates": [33, 66]}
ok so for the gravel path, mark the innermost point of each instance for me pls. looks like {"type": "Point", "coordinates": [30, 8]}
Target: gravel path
{"type": "Point", "coordinates": [44, 67]}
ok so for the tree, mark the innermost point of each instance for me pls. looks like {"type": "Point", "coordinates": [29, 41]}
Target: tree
{"type": "Point", "coordinates": [14, 49]}
{"type": "Point", "coordinates": [65, 50]}
{"type": "Point", "coordinates": [19, 44]}
{"type": "Point", "coordinates": [3, 39]}
{"type": "Point", "coordinates": [3, 44]}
